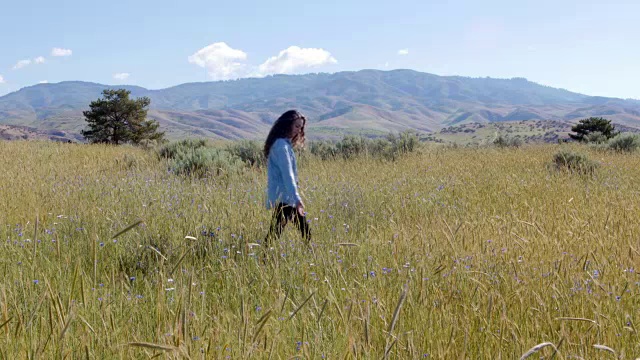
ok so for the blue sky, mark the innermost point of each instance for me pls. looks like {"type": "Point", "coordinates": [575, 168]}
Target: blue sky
{"type": "Point", "coordinates": [584, 46]}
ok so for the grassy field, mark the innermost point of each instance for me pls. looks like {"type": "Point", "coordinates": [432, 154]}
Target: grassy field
{"type": "Point", "coordinates": [444, 254]}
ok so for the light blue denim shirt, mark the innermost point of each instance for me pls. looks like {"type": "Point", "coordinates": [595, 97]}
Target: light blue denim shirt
{"type": "Point", "coordinates": [282, 174]}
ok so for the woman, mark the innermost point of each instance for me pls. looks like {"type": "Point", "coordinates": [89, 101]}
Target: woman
{"type": "Point", "coordinates": [282, 174]}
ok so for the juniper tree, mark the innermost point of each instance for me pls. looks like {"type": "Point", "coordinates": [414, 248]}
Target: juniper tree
{"type": "Point", "coordinates": [592, 125]}
{"type": "Point", "coordinates": [117, 119]}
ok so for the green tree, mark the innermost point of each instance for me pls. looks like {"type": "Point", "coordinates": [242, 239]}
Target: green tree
{"type": "Point", "coordinates": [591, 125]}
{"type": "Point", "coordinates": [117, 119]}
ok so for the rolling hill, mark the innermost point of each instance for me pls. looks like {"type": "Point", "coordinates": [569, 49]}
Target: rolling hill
{"type": "Point", "coordinates": [367, 101]}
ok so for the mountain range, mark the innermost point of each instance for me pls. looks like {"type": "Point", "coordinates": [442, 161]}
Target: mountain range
{"type": "Point", "coordinates": [368, 102]}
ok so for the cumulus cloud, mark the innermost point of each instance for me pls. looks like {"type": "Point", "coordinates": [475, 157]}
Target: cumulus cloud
{"type": "Point", "coordinates": [403, 52]}
{"type": "Point", "coordinates": [1, 80]}
{"type": "Point", "coordinates": [61, 52]}
{"type": "Point", "coordinates": [39, 60]}
{"type": "Point", "coordinates": [294, 58]}
{"type": "Point", "coordinates": [44, 82]}
{"type": "Point", "coordinates": [225, 63]}
{"type": "Point", "coordinates": [22, 63]}
{"type": "Point", "coordinates": [221, 61]}
{"type": "Point", "coordinates": [121, 76]}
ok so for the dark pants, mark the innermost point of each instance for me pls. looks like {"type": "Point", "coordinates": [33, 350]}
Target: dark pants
{"type": "Point", "coordinates": [282, 214]}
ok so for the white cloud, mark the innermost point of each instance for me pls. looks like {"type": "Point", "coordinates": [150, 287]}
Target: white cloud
{"type": "Point", "coordinates": [121, 76]}
{"type": "Point", "coordinates": [403, 52]}
{"type": "Point", "coordinates": [290, 60]}
{"type": "Point", "coordinates": [22, 63]}
{"type": "Point", "coordinates": [44, 82]}
{"type": "Point", "coordinates": [26, 62]}
{"type": "Point", "coordinates": [1, 80]}
{"type": "Point", "coordinates": [221, 61]}
{"type": "Point", "coordinates": [61, 52]}
{"type": "Point", "coordinates": [224, 63]}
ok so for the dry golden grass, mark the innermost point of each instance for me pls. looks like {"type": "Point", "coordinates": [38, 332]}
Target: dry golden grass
{"type": "Point", "coordinates": [449, 253]}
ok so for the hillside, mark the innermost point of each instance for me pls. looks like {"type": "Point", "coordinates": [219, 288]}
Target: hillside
{"type": "Point", "coordinates": [15, 132]}
{"type": "Point", "coordinates": [367, 101]}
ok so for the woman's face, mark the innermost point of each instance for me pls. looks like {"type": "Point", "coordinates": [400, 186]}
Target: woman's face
{"type": "Point", "coordinates": [296, 128]}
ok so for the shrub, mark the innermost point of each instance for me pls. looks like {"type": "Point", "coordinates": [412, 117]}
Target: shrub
{"type": "Point", "coordinates": [503, 141]}
{"type": "Point", "coordinates": [624, 143]}
{"type": "Point", "coordinates": [323, 149]}
{"type": "Point", "coordinates": [405, 142]}
{"type": "Point", "coordinates": [152, 144]}
{"type": "Point", "coordinates": [171, 150]}
{"type": "Point", "coordinates": [250, 152]}
{"type": "Point", "coordinates": [573, 162]}
{"type": "Point", "coordinates": [389, 147]}
{"type": "Point", "coordinates": [351, 146]}
{"type": "Point", "coordinates": [595, 137]}
{"type": "Point", "coordinates": [195, 158]}
{"type": "Point", "coordinates": [206, 161]}
{"type": "Point", "coordinates": [400, 144]}
{"type": "Point", "coordinates": [380, 147]}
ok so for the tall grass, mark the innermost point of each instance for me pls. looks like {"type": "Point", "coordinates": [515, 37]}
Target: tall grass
{"type": "Point", "coordinates": [445, 253]}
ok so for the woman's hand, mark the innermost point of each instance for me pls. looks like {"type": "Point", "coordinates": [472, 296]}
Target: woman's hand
{"type": "Point", "coordinates": [300, 208]}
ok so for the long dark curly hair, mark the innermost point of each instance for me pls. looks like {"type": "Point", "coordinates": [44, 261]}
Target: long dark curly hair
{"type": "Point", "coordinates": [282, 129]}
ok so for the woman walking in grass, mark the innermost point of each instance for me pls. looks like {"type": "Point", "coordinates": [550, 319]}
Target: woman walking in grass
{"type": "Point", "coordinates": [282, 174]}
